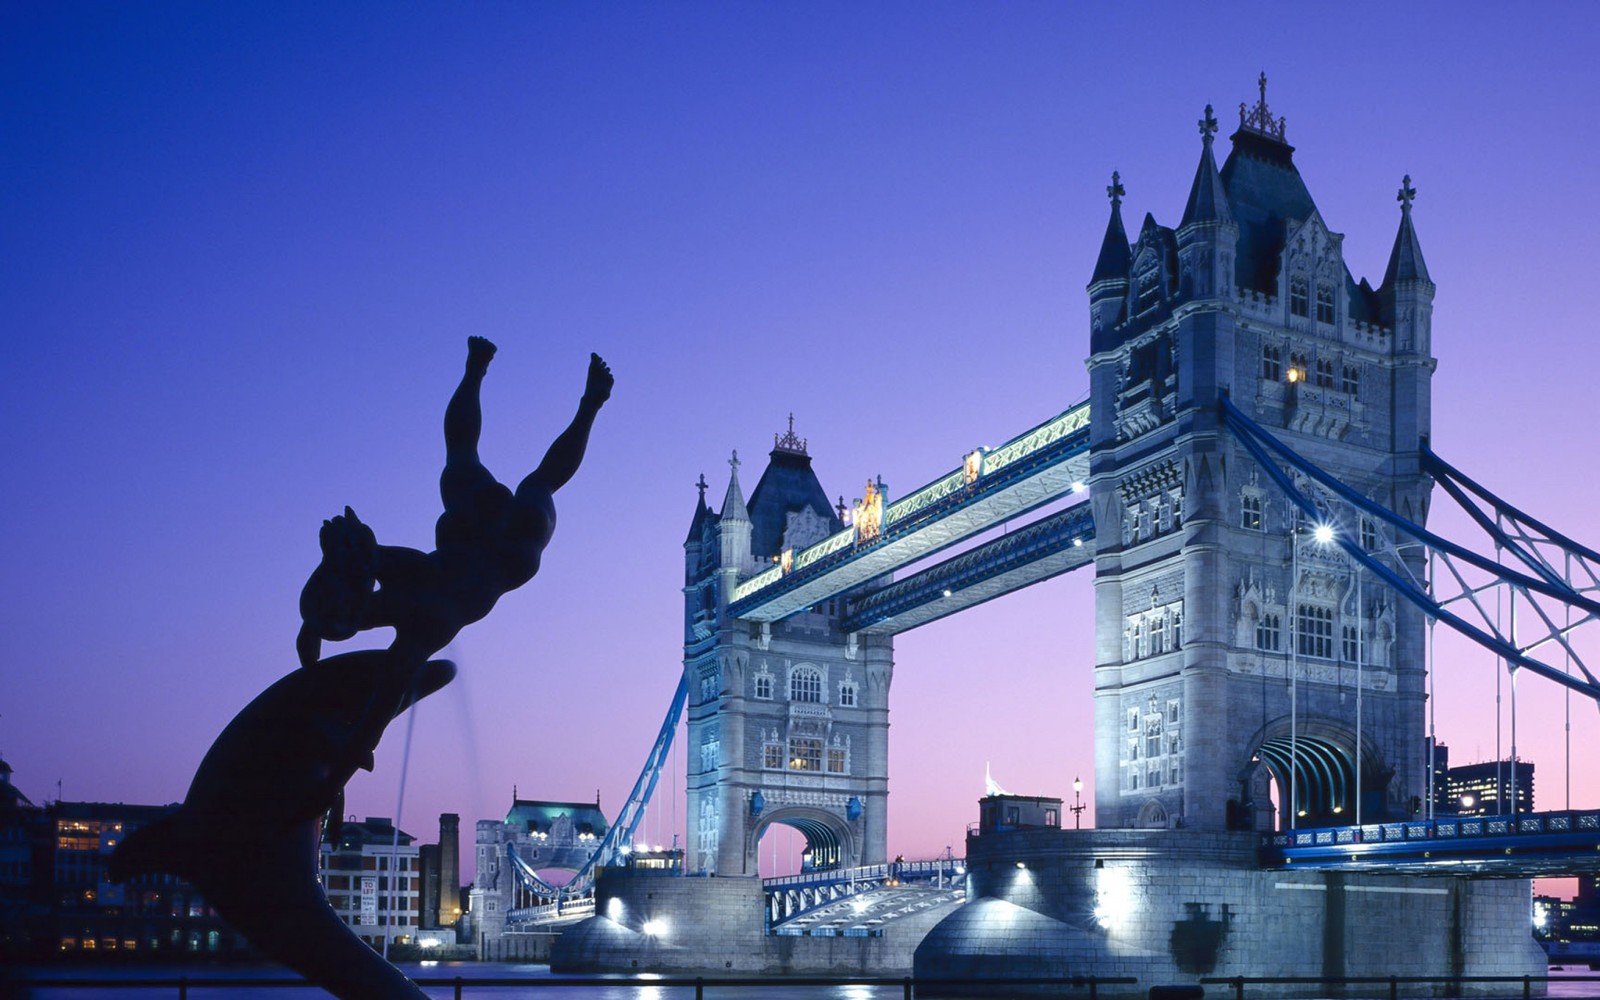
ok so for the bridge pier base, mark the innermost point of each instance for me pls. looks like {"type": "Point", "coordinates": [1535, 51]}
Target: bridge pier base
{"type": "Point", "coordinates": [1173, 907]}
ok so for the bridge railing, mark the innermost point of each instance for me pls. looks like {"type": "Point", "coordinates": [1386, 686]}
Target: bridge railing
{"type": "Point", "coordinates": [902, 870]}
{"type": "Point", "coordinates": [1454, 828]}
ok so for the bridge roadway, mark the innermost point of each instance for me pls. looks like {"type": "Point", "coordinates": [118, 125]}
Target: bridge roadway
{"type": "Point", "coordinates": [1528, 845]}
{"type": "Point", "coordinates": [1041, 465]}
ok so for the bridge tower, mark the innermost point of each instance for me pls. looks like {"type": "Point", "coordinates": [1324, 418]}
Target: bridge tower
{"type": "Point", "coordinates": [788, 722]}
{"type": "Point", "coordinates": [1227, 638]}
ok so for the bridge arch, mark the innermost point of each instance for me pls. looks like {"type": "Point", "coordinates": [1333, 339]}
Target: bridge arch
{"type": "Point", "coordinates": [1320, 756]}
{"type": "Point", "coordinates": [830, 842]}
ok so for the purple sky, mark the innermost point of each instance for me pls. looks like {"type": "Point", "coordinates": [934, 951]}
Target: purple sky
{"type": "Point", "coordinates": [241, 248]}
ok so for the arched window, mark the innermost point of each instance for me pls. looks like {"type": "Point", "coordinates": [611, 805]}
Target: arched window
{"type": "Point", "coordinates": [1299, 297]}
{"type": "Point", "coordinates": [805, 684]}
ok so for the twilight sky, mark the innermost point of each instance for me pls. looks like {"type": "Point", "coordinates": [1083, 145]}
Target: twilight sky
{"type": "Point", "coordinates": [241, 247]}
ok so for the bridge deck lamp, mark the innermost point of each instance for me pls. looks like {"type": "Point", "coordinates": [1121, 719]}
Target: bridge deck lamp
{"type": "Point", "coordinates": [1077, 806]}
{"type": "Point", "coordinates": [1323, 534]}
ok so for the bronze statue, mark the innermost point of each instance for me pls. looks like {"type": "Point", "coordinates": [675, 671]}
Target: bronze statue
{"type": "Point", "coordinates": [488, 539]}
{"type": "Point", "coordinates": [247, 833]}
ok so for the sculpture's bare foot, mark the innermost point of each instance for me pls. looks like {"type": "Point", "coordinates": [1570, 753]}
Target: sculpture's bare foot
{"type": "Point", "coordinates": [480, 351]}
{"type": "Point", "coordinates": [598, 389]}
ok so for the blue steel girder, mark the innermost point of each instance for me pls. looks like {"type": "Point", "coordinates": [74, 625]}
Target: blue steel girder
{"type": "Point", "coordinates": [619, 836]}
{"type": "Point", "coordinates": [1528, 845]}
{"type": "Point", "coordinates": [1459, 596]}
{"type": "Point", "coordinates": [1048, 547]}
{"type": "Point", "coordinates": [1032, 469]}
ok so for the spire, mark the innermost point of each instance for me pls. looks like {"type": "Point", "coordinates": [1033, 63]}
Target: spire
{"type": "Point", "coordinates": [1208, 201]}
{"type": "Point", "coordinates": [733, 508]}
{"type": "Point", "coordinates": [1405, 260]}
{"type": "Point", "coordinates": [701, 512]}
{"type": "Point", "coordinates": [1115, 258]}
{"type": "Point", "coordinates": [788, 442]}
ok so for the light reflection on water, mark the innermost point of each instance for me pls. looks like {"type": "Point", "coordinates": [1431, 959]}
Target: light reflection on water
{"type": "Point", "coordinates": [638, 988]}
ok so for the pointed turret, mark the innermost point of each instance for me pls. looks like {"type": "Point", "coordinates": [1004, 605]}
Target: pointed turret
{"type": "Point", "coordinates": [1208, 236]}
{"type": "Point", "coordinates": [701, 513]}
{"type": "Point", "coordinates": [1108, 288]}
{"type": "Point", "coordinates": [1208, 201]}
{"type": "Point", "coordinates": [1405, 260]}
{"type": "Point", "coordinates": [734, 526]}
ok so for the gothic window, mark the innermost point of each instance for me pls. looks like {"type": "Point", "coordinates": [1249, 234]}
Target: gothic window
{"type": "Point", "coordinates": [1350, 384]}
{"type": "Point", "coordinates": [1299, 297]}
{"type": "Point", "coordinates": [1173, 744]}
{"type": "Point", "coordinates": [1172, 713]}
{"type": "Point", "coordinates": [1133, 720]}
{"type": "Point", "coordinates": [1164, 517]}
{"type": "Point", "coordinates": [1369, 534]}
{"type": "Point", "coordinates": [1133, 779]}
{"type": "Point", "coordinates": [1324, 304]}
{"type": "Point", "coordinates": [836, 760]}
{"type": "Point", "coordinates": [772, 756]}
{"type": "Point", "coordinates": [1177, 507]}
{"type": "Point", "coordinates": [1250, 512]}
{"type": "Point", "coordinates": [1268, 632]}
{"type": "Point", "coordinates": [1152, 736]}
{"type": "Point", "coordinates": [1271, 362]}
{"type": "Point", "coordinates": [1325, 374]}
{"type": "Point", "coordinates": [709, 751]}
{"type": "Point", "coordinates": [1351, 644]}
{"type": "Point", "coordinates": [805, 754]}
{"type": "Point", "coordinates": [764, 686]}
{"type": "Point", "coordinates": [1177, 630]}
{"type": "Point", "coordinates": [1158, 635]}
{"type": "Point", "coordinates": [805, 684]}
{"type": "Point", "coordinates": [847, 695]}
{"type": "Point", "coordinates": [1155, 775]}
{"type": "Point", "coordinates": [1314, 631]}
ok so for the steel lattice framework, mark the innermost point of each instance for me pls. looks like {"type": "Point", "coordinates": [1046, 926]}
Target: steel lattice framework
{"type": "Point", "coordinates": [1556, 588]}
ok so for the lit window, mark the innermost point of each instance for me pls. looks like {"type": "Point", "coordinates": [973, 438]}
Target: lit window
{"type": "Point", "coordinates": [1250, 512]}
{"type": "Point", "coordinates": [836, 760]}
{"type": "Point", "coordinates": [1314, 631]}
{"type": "Point", "coordinates": [805, 755]}
{"type": "Point", "coordinates": [1299, 297]}
{"type": "Point", "coordinates": [1324, 304]}
{"type": "Point", "coordinates": [772, 756]}
{"type": "Point", "coordinates": [805, 685]}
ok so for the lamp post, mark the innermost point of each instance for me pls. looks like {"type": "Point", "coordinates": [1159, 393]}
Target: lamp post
{"type": "Point", "coordinates": [1077, 806]}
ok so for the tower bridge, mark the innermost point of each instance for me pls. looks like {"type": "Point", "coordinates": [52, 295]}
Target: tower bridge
{"type": "Point", "coordinates": [1251, 480]}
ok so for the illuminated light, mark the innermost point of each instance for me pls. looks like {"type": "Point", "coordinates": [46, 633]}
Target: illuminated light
{"type": "Point", "coordinates": [1077, 486]}
{"type": "Point", "coordinates": [947, 592]}
{"type": "Point", "coordinates": [1077, 543]}
{"type": "Point", "coordinates": [428, 943]}
{"type": "Point", "coordinates": [425, 963]}
{"type": "Point", "coordinates": [1323, 533]}
{"type": "Point", "coordinates": [861, 905]}
{"type": "Point", "coordinates": [1294, 374]}
{"type": "Point", "coordinates": [1338, 809]}
{"type": "Point", "coordinates": [1022, 864]}
{"type": "Point", "coordinates": [655, 927]}
{"type": "Point", "coordinates": [614, 910]}
{"type": "Point", "coordinates": [1114, 900]}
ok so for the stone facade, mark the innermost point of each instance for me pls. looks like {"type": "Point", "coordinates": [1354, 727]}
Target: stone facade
{"type": "Point", "coordinates": [1227, 642]}
{"type": "Point", "coordinates": [1172, 907]}
{"type": "Point", "coordinates": [787, 722]}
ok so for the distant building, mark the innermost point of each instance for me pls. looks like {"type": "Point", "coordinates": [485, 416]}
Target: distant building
{"type": "Point", "coordinates": [546, 837]}
{"type": "Point", "coordinates": [1439, 778]}
{"type": "Point", "coordinates": [441, 875]}
{"type": "Point", "coordinates": [371, 876]}
{"type": "Point", "coordinates": [1018, 812]}
{"type": "Point", "coordinates": [1490, 788]}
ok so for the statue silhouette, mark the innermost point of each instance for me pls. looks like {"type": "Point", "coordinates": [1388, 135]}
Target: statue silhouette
{"type": "Point", "coordinates": [488, 540]}
{"type": "Point", "coordinates": [247, 833]}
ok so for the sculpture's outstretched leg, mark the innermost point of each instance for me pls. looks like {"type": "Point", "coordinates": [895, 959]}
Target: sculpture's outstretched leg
{"type": "Point", "coordinates": [561, 461]}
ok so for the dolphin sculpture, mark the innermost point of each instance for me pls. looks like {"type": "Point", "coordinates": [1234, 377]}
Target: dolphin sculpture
{"type": "Point", "coordinates": [247, 833]}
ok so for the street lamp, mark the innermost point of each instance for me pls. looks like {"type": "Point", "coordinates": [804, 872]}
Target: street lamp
{"type": "Point", "coordinates": [1077, 806]}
